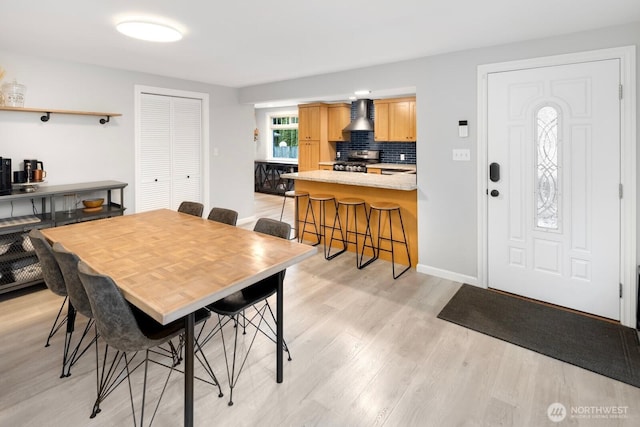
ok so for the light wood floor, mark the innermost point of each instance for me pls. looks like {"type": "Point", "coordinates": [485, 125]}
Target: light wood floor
{"type": "Point", "coordinates": [367, 351]}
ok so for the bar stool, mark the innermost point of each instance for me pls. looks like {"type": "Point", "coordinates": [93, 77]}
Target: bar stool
{"type": "Point", "coordinates": [352, 203]}
{"type": "Point", "coordinates": [321, 233]}
{"type": "Point", "coordinates": [296, 195]}
{"type": "Point", "coordinates": [389, 209]}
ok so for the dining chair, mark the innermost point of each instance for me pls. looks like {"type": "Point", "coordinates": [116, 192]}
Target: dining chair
{"type": "Point", "coordinates": [54, 280]}
{"type": "Point", "coordinates": [223, 215]}
{"type": "Point", "coordinates": [128, 331]}
{"type": "Point", "coordinates": [191, 208]}
{"type": "Point", "coordinates": [68, 262]}
{"type": "Point", "coordinates": [232, 308]}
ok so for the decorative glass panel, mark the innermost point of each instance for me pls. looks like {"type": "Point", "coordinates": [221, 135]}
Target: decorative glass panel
{"type": "Point", "coordinates": [547, 183]}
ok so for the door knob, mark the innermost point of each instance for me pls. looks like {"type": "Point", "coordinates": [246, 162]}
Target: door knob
{"type": "Point", "coordinates": [495, 193]}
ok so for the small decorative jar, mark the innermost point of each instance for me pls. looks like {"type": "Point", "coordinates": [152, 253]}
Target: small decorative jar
{"type": "Point", "coordinates": [13, 94]}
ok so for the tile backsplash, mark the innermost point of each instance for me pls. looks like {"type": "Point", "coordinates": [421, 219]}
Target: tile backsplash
{"type": "Point", "coordinates": [389, 151]}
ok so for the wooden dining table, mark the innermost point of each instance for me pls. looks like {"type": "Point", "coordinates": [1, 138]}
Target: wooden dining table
{"type": "Point", "coordinates": [170, 264]}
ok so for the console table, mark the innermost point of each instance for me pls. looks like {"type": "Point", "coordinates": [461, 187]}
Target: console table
{"type": "Point", "coordinates": [19, 265]}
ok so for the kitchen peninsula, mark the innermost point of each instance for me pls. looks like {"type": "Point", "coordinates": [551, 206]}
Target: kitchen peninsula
{"type": "Point", "coordinates": [399, 188]}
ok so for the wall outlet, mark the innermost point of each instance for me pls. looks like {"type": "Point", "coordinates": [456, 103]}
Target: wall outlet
{"type": "Point", "coordinates": [462, 155]}
{"type": "Point", "coordinates": [338, 155]}
{"type": "Point", "coordinates": [216, 152]}
{"type": "Point", "coordinates": [401, 156]}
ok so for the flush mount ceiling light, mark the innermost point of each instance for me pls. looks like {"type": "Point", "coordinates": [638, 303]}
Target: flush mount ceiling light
{"type": "Point", "coordinates": [362, 92]}
{"type": "Point", "coordinates": [149, 31]}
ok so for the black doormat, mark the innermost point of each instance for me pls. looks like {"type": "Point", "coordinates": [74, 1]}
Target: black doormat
{"type": "Point", "coordinates": [603, 347]}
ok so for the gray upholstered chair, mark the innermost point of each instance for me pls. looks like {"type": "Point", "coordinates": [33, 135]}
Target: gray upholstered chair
{"type": "Point", "coordinates": [128, 330]}
{"type": "Point", "coordinates": [191, 208]}
{"type": "Point", "coordinates": [232, 308]}
{"type": "Point", "coordinates": [54, 280]}
{"type": "Point", "coordinates": [223, 215]}
{"type": "Point", "coordinates": [68, 262]}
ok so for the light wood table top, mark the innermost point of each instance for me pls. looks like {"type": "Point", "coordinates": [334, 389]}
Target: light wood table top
{"type": "Point", "coordinates": [170, 264]}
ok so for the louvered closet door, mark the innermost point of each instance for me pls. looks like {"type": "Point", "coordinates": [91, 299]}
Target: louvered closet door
{"type": "Point", "coordinates": [187, 146]}
{"type": "Point", "coordinates": [155, 153]}
{"type": "Point", "coordinates": [170, 160]}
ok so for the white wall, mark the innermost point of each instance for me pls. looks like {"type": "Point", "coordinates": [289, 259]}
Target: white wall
{"type": "Point", "coordinates": [79, 149]}
{"type": "Point", "coordinates": [446, 92]}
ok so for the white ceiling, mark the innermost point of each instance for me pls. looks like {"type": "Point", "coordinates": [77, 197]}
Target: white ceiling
{"type": "Point", "coordinates": [240, 43]}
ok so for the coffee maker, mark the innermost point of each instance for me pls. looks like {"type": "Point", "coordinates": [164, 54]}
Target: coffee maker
{"type": "Point", "coordinates": [5, 176]}
{"type": "Point", "coordinates": [30, 166]}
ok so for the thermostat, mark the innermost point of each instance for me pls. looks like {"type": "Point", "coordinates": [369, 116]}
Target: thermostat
{"type": "Point", "coordinates": [463, 129]}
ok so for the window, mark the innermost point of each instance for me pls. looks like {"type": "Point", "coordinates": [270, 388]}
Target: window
{"type": "Point", "coordinates": [284, 135]}
{"type": "Point", "coordinates": [547, 178]}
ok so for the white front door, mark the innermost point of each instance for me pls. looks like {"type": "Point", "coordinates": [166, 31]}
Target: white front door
{"type": "Point", "coordinates": [554, 205]}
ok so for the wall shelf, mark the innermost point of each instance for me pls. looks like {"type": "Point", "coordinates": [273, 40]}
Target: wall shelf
{"type": "Point", "coordinates": [47, 113]}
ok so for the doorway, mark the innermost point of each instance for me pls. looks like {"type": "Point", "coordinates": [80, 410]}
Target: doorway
{"type": "Point", "coordinates": [555, 213]}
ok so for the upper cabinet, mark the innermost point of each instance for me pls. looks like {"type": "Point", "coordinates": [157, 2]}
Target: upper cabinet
{"type": "Point", "coordinates": [309, 122]}
{"type": "Point", "coordinates": [339, 116]}
{"type": "Point", "coordinates": [395, 120]}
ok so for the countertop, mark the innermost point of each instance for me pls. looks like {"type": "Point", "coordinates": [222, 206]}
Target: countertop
{"type": "Point", "coordinates": [399, 166]}
{"type": "Point", "coordinates": [402, 182]}
{"type": "Point", "coordinates": [279, 161]}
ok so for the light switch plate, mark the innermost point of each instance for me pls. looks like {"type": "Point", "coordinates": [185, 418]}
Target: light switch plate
{"type": "Point", "coordinates": [461, 155]}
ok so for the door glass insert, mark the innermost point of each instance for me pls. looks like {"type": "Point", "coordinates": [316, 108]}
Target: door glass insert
{"type": "Point", "coordinates": [547, 179]}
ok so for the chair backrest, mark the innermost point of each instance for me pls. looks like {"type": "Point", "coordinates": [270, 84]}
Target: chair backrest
{"type": "Point", "coordinates": [114, 317]}
{"type": "Point", "coordinates": [68, 263]}
{"type": "Point", "coordinates": [50, 270]}
{"type": "Point", "coordinates": [268, 286]}
{"type": "Point", "coordinates": [191, 208]}
{"type": "Point", "coordinates": [273, 227]}
{"type": "Point", "coordinates": [225, 216]}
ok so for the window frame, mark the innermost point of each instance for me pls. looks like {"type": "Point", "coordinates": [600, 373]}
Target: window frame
{"type": "Point", "coordinates": [271, 127]}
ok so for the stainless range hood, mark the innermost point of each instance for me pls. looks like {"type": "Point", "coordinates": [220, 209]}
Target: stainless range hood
{"type": "Point", "coordinates": [361, 122]}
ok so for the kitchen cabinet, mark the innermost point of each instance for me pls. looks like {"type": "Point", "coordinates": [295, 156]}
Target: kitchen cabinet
{"type": "Point", "coordinates": [395, 120]}
{"type": "Point", "coordinates": [308, 155]}
{"type": "Point", "coordinates": [309, 122]}
{"type": "Point", "coordinates": [326, 167]}
{"type": "Point", "coordinates": [338, 117]}
{"type": "Point", "coordinates": [313, 142]}
{"type": "Point", "coordinates": [381, 121]}
{"type": "Point", "coordinates": [19, 265]}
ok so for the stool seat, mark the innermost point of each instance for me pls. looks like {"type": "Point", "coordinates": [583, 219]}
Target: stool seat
{"type": "Point", "coordinates": [351, 201]}
{"type": "Point", "coordinates": [384, 206]}
{"type": "Point", "coordinates": [294, 193]}
{"type": "Point", "coordinates": [322, 197]}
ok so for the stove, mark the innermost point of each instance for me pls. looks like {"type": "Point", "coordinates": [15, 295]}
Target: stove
{"type": "Point", "coordinates": [357, 161]}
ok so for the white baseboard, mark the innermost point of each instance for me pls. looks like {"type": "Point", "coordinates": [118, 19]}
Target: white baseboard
{"type": "Point", "coordinates": [446, 274]}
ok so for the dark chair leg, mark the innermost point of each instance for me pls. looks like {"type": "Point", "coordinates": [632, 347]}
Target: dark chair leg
{"type": "Point", "coordinates": [56, 326]}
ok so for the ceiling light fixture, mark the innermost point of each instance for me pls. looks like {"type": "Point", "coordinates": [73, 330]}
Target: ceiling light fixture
{"type": "Point", "coordinates": [149, 31]}
{"type": "Point", "coordinates": [362, 92]}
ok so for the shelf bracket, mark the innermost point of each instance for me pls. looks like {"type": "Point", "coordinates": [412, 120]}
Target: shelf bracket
{"type": "Point", "coordinates": [46, 117]}
{"type": "Point", "coordinates": [103, 121]}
